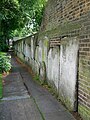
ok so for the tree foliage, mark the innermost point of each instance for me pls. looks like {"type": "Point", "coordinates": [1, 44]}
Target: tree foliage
{"type": "Point", "coordinates": [20, 17]}
{"type": "Point", "coordinates": [11, 17]}
{"type": "Point", "coordinates": [33, 10]}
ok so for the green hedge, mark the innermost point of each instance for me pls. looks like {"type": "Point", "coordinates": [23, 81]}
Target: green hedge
{"type": "Point", "coordinates": [5, 64]}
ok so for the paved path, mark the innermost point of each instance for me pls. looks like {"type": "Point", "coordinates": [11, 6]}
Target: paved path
{"type": "Point", "coordinates": [35, 104]}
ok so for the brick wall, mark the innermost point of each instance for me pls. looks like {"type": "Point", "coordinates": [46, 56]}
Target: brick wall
{"type": "Point", "coordinates": [65, 26]}
{"type": "Point", "coordinates": [68, 18]}
{"type": "Point", "coordinates": [84, 70]}
{"type": "Point", "coordinates": [61, 11]}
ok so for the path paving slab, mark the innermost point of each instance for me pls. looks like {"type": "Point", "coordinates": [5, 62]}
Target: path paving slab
{"type": "Point", "coordinates": [23, 109]}
{"type": "Point", "coordinates": [48, 105]}
{"type": "Point", "coordinates": [24, 99]}
{"type": "Point", "coordinates": [17, 104]}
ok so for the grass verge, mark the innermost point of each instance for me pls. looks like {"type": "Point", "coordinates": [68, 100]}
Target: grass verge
{"type": "Point", "coordinates": [1, 86]}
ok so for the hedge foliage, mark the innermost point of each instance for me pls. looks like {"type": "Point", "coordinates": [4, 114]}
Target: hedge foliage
{"type": "Point", "coordinates": [5, 62]}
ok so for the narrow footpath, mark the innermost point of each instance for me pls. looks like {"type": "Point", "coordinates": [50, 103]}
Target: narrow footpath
{"type": "Point", "coordinates": [24, 99]}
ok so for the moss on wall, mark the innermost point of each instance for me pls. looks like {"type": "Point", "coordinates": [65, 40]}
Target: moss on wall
{"type": "Point", "coordinates": [66, 101]}
{"type": "Point", "coordinates": [46, 43]}
{"type": "Point", "coordinates": [43, 55]}
{"type": "Point", "coordinates": [61, 30]}
{"type": "Point", "coordinates": [84, 111]}
{"type": "Point", "coordinates": [84, 69]}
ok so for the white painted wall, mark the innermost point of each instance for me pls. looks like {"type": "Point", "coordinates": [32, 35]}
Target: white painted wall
{"type": "Point", "coordinates": [32, 48]}
{"type": "Point", "coordinates": [53, 66]}
{"type": "Point", "coordinates": [60, 61]}
{"type": "Point", "coordinates": [68, 69]}
{"type": "Point", "coordinates": [40, 51]}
